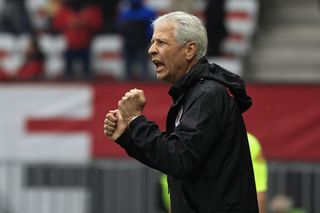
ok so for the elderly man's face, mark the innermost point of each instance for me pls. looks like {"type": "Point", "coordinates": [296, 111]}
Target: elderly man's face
{"type": "Point", "coordinates": [168, 56]}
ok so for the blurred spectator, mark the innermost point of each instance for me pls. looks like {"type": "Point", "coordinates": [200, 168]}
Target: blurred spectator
{"type": "Point", "coordinates": [215, 24]}
{"type": "Point", "coordinates": [135, 26]}
{"type": "Point", "coordinates": [14, 17]}
{"type": "Point", "coordinates": [283, 204]}
{"type": "Point", "coordinates": [260, 171]}
{"type": "Point", "coordinates": [52, 7]}
{"type": "Point", "coordinates": [33, 66]}
{"type": "Point", "coordinates": [78, 20]}
{"type": "Point", "coordinates": [49, 11]}
{"type": "Point", "coordinates": [110, 13]}
{"type": "Point", "coordinates": [3, 75]}
{"type": "Point", "coordinates": [163, 195]}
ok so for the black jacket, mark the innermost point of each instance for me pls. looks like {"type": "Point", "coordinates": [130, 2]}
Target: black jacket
{"type": "Point", "coordinates": [205, 150]}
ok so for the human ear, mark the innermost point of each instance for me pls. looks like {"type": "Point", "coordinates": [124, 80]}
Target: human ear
{"type": "Point", "coordinates": [191, 50]}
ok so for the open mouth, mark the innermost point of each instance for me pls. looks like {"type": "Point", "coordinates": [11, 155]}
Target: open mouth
{"type": "Point", "coordinates": [158, 64]}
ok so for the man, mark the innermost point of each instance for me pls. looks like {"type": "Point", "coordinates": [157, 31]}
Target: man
{"type": "Point", "coordinates": [260, 169]}
{"type": "Point", "coordinates": [216, 28]}
{"type": "Point", "coordinates": [134, 24]}
{"type": "Point", "coordinates": [78, 21]}
{"type": "Point", "coordinates": [205, 150]}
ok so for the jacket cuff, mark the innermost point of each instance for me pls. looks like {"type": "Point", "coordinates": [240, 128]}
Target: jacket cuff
{"type": "Point", "coordinates": [136, 121]}
{"type": "Point", "coordinates": [124, 138]}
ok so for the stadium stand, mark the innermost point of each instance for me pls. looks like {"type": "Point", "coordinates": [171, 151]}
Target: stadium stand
{"type": "Point", "coordinates": [241, 21]}
{"type": "Point", "coordinates": [106, 53]}
{"type": "Point", "coordinates": [11, 52]}
{"type": "Point", "coordinates": [286, 48]}
{"type": "Point", "coordinates": [53, 46]}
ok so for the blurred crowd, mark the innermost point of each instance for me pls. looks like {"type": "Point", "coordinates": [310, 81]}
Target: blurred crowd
{"type": "Point", "coordinates": [79, 22]}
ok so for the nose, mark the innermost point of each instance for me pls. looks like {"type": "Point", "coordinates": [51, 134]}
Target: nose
{"type": "Point", "coordinates": [152, 49]}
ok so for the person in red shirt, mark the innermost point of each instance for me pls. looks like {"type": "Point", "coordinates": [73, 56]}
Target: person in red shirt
{"type": "Point", "coordinates": [78, 20]}
{"type": "Point", "coordinates": [33, 68]}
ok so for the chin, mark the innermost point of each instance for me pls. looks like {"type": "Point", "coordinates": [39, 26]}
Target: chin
{"type": "Point", "coordinates": [162, 77]}
{"type": "Point", "coordinates": [159, 76]}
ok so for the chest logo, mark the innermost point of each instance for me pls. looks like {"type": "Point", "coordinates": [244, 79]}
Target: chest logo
{"type": "Point", "coordinates": [178, 118]}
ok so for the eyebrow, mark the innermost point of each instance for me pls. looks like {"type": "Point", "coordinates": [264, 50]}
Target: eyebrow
{"type": "Point", "coordinates": [160, 39]}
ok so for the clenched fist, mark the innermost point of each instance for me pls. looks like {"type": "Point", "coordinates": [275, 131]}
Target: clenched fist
{"type": "Point", "coordinates": [132, 104]}
{"type": "Point", "coordinates": [114, 125]}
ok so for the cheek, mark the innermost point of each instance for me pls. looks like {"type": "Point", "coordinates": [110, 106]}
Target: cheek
{"type": "Point", "coordinates": [173, 58]}
{"type": "Point", "coordinates": [176, 61]}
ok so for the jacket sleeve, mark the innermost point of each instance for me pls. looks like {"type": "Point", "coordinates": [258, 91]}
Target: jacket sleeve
{"type": "Point", "coordinates": [181, 152]}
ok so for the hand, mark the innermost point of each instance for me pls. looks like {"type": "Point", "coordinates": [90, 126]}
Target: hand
{"type": "Point", "coordinates": [132, 104]}
{"type": "Point", "coordinates": [114, 125]}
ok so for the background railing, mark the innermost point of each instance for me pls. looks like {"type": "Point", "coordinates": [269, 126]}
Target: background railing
{"type": "Point", "coordinates": [123, 186]}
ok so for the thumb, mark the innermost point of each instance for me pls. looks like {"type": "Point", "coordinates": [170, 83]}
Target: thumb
{"type": "Point", "coordinates": [118, 115]}
{"type": "Point", "coordinates": [114, 111]}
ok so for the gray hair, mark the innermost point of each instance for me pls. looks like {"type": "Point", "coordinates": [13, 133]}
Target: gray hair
{"type": "Point", "coordinates": [188, 28]}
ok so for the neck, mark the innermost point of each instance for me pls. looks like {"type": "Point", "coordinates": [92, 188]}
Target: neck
{"type": "Point", "coordinates": [193, 62]}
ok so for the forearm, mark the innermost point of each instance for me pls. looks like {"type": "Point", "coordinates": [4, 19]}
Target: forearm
{"type": "Point", "coordinates": [170, 154]}
{"type": "Point", "coordinates": [135, 151]}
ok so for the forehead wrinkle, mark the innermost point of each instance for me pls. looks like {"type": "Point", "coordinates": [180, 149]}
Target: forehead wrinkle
{"type": "Point", "coordinates": [170, 26]}
{"type": "Point", "coordinates": [165, 33]}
